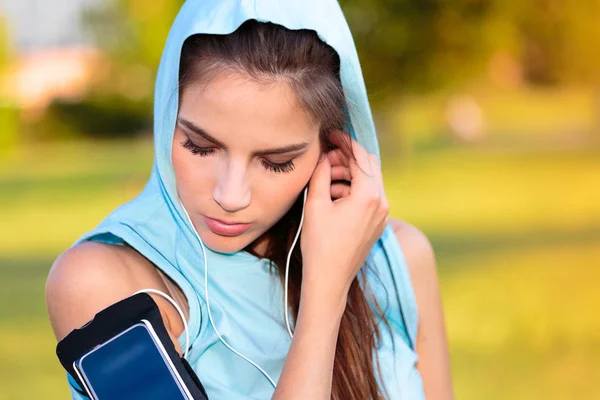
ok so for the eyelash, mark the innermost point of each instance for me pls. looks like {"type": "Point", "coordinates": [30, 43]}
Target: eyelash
{"type": "Point", "coordinates": [205, 151]}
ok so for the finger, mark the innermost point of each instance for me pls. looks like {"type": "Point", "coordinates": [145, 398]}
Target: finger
{"type": "Point", "coordinates": [337, 157]}
{"type": "Point", "coordinates": [360, 168]}
{"type": "Point", "coordinates": [378, 178]}
{"type": "Point", "coordinates": [361, 181]}
{"type": "Point", "coordinates": [340, 139]}
{"type": "Point", "coordinates": [320, 181]}
{"type": "Point", "coordinates": [340, 173]}
{"type": "Point", "coordinates": [344, 140]}
{"type": "Point", "coordinates": [376, 170]}
{"type": "Point", "coordinates": [339, 190]}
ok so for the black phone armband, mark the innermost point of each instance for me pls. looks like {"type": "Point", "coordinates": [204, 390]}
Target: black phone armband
{"type": "Point", "coordinates": [114, 320]}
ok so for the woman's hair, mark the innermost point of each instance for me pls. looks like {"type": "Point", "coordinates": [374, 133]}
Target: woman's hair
{"type": "Point", "coordinates": [269, 53]}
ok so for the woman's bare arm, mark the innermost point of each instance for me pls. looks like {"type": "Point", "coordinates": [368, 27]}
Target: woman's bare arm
{"type": "Point", "coordinates": [91, 276]}
{"type": "Point", "coordinates": [308, 370]}
{"type": "Point", "coordinates": [309, 367]}
{"type": "Point", "coordinates": [337, 237]}
{"type": "Point", "coordinates": [432, 344]}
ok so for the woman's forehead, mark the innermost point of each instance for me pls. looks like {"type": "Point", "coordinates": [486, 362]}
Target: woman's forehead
{"type": "Point", "coordinates": [234, 106]}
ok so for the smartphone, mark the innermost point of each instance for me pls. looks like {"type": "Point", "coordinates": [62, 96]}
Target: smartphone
{"type": "Point", "coordinates": [132, 365]}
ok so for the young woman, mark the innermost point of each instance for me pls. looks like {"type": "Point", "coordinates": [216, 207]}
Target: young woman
{"type": "Point", "coordinates": [249, 115]}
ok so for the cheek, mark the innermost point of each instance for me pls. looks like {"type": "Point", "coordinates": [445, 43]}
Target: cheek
{"type": "Point", "coordinates": [276, 194]}
{"type": "Point", "coordinates": [272, 194]}
{"type": "Point", "coordinates": [192, 173]}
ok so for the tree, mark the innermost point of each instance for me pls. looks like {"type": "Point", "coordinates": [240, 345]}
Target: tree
{"type": "Point", "coordinates": [418, 45]}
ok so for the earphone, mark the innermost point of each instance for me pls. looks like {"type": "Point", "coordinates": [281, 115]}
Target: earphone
{"type": "Point", "coordinates": [287, 267]}
{"type": "Point", "coordinates": [185, 326]}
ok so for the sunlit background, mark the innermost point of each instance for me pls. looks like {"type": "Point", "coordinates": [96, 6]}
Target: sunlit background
{"type": "Point", "coordinates": [488, 113]}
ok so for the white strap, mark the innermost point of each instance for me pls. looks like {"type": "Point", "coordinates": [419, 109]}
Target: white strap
{"type": "Point", "coordinates": [185, 326]}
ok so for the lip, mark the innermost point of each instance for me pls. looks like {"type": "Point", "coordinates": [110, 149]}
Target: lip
{"type": "Point", "coordinates": [223, 228]}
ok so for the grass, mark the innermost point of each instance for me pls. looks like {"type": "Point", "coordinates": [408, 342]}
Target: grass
{"type": "Point", "coordinates": [508, 114]}
{"type": "Point", "coordinates": [522, 322]}
{"type": "Point", "coordinates": [516, 232]}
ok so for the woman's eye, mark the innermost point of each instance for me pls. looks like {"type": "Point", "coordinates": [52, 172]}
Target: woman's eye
{"type": "Point", "coordinates": [205, 151]}
{"type": "Point", "coordinates": [283, 167]}
{"type": "Point", "coordinates": [197, 150]}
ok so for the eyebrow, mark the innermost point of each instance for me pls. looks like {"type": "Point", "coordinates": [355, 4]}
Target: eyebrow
{"type": "Point", "coordinates": [278, 150]}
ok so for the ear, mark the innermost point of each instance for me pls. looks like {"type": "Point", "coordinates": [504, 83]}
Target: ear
{"type": "Point", "coordinates": [338, 139]}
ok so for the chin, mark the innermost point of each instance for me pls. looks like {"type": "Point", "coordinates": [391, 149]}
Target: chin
{"type": "Point", "coordinates": [224, 244]}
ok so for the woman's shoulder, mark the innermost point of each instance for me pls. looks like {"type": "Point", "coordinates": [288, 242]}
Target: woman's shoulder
{"type": "Point", "coordinates": [421, 264]}
{"type": "Point", "coordinates": [85, 279]}
{"type": "Point", "coordinates": [432, 343]}
{"type": "Point", "coordinates": [417, 249]}
{"type": "Point", "coordinates": [91, 276]}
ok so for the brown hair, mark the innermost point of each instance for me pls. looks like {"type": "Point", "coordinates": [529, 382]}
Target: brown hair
{"type": "Point", "coordinates": [267, 53]}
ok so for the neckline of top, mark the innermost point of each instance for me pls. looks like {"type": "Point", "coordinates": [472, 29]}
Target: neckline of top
{"type": "Point", "coordinates": [241, 255]}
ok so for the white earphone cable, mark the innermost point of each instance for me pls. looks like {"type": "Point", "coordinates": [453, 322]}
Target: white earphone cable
{"type": "Point", "coordinates": [181, 314]}
{"type": "Point", "coordinates": [208, 300]}
{"type": "Point", "coordinates": [287, 269]}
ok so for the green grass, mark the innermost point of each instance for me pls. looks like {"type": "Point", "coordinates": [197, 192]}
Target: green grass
{"type": "Point", "coordinates": [516, 232]}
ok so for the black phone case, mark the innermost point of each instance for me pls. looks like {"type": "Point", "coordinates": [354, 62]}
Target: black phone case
{"type": "Point", "coordinates": [115, 319]}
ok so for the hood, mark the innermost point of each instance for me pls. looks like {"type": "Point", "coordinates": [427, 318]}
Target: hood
{"type": "Point", "coordinates": [154, 222]}
{"type": "Point", "coordinates": [225, 16]}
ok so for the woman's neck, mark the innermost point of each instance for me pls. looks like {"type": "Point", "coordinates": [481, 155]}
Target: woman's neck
{"type": "Point", "coordinates": [259, 247]}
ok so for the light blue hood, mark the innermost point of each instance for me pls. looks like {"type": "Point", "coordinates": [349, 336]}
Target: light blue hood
{"type": "Point", "coordinates": [245, 300]}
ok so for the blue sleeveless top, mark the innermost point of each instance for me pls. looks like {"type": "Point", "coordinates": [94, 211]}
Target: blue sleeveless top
{"type": "Point", "coordinates": [246, 299]}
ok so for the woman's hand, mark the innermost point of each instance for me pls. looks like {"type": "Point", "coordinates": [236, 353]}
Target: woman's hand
{"type": "Point", "coordinates": [338, 234]}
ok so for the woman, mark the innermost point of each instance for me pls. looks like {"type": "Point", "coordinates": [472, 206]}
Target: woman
{"type": "Point", "coordinates": [248, 115]}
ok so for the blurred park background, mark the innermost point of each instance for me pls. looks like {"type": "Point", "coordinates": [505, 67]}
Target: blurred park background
{"type": "Point", "coordinates": [489, 117]}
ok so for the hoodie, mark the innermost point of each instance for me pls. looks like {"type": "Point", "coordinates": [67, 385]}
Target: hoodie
{"type": "Point", "coordinates": [245, 298]}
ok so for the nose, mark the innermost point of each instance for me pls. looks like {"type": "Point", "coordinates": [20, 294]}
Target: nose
{"type": "Point", "coordinates": [232, 191]}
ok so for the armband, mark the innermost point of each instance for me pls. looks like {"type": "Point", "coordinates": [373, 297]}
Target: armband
{"type": "Point", "coordinates": [132, 321]}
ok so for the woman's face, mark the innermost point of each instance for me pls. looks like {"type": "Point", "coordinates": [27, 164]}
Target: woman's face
{"type": "Point", "coordinates": [242, 153]}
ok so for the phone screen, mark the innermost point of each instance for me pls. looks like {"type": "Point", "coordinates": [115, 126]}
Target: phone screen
{"type": "Point", "coordinates": [132, 365]}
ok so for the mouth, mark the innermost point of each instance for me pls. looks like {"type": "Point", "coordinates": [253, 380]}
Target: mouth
{"type": "Point", "coordinates": [223, 228]}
